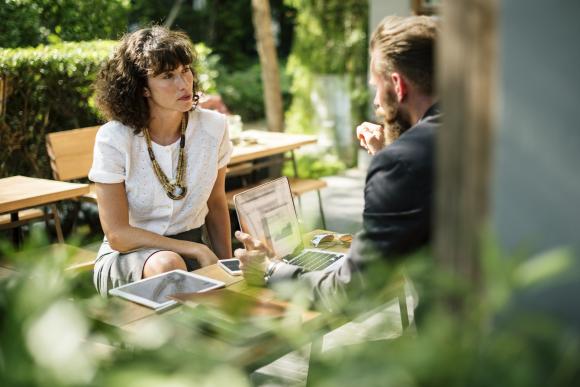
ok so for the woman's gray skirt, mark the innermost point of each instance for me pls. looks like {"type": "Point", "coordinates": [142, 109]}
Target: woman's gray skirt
{"type": "Point", "coordinates": [113, 269]}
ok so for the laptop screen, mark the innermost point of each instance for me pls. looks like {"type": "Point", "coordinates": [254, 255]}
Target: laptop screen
{"type": "Point", "coordinates": [267, 213]}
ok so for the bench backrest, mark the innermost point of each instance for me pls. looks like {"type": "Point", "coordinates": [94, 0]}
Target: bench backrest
{"type": "Point", "coordinates": [71, 152]}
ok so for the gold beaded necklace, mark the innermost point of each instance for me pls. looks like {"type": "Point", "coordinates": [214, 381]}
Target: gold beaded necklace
{"type": "Point", "coordinates": [175, 190]}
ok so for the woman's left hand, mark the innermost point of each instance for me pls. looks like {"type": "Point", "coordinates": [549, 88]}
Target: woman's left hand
{"type": "Point", "coordinates": [205, 256]}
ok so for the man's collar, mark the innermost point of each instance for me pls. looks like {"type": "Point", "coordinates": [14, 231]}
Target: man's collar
{"type": "Point", "coordinates": [432, 111]}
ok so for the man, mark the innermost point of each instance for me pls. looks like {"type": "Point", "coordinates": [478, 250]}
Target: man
{"type": "Point", "coordinates": [399, 183]}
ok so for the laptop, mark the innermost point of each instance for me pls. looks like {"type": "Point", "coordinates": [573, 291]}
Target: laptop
{"type": "Point", "coordinates": [267, 213]}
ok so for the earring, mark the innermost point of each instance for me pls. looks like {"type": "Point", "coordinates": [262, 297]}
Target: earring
{"type": "Point", "coordinates": [147, 93]}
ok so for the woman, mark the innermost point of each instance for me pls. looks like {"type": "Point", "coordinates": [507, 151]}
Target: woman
{"type": "Point", "coordinates": [159, 163]}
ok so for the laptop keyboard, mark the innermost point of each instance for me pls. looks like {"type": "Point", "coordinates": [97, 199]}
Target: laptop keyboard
{"type": "Point", "coordinates": [315, 260]}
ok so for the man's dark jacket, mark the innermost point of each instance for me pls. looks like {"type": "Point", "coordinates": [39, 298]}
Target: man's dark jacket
{"type": "Point", "coordinates": [398, 207]}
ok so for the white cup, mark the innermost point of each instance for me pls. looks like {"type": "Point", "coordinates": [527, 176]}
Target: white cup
{"type": "Point", "coordinates": [234, 125]}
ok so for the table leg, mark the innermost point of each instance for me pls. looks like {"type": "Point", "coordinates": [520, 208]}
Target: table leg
{"type": "Point", "coordinates": [294, 164]}
{"type": "Point", "coordinates": [321, 210]}
{"type": "Point", "coordinates": [57, 225]}
{"type": "Point", "coordinates": [17, 231]}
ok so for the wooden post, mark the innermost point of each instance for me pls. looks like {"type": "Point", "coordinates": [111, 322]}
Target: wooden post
{"type": "Point", "coordinates": [467, 75]}
{"type": "Point", "coordinates": [3, 95]}
{"type": "Point", "coordinates": [269, 62]}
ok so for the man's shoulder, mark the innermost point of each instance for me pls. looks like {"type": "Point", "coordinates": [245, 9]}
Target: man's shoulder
{"type": "Point", "coordinates": [415, 145]}
{"type": "Point", "coordinates": [420, 135]}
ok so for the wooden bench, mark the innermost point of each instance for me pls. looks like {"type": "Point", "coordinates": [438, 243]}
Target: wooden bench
{"type": "Point", "coordinates": [71, 155]}
{"type": "Point", "coordinates": [24, 216]}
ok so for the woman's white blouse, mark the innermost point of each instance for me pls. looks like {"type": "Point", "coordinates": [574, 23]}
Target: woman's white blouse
{"type": "Point", "coordinates": [121, 156]}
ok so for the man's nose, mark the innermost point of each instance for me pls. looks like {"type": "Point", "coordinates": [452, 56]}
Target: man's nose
{"type": "Point", "coordinates": [377, 100]}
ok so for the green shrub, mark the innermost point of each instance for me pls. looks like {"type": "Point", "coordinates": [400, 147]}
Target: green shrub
{"type": "Point", "coordinates": [224, 25]}
{"type": "Point", "coordinates": [51, 335]}
{"type": "Point", "coordinates": [243, 93]}
{"type": "Point", "coordinates": [314, 165]}
{"type": "Point", "coordinates": [21, 23]}
{"type": "Point", "coordinates": [48, 89]}
{"type": "Point", "coordinates": [331, 38]}
{"type": "Point", "coordinates": [31, 22]}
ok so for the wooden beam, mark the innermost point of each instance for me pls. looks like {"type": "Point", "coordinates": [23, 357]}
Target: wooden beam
{"type": "Point", "coordinates": [467, 77]}
{"type": "Point", "coordinates": [269, 62]}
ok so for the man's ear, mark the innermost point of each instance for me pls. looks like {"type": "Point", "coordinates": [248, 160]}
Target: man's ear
{"type": "Point", "coordinates": [400, 85]}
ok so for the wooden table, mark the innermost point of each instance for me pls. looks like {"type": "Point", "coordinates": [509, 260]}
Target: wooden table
{"type": "Point", "coordinates": [132, 317]}
{"type": "Point", "coordinates": [132, 312]}
{"type": "Point", "coordinates": [267, 144]}
{"type": "Point", "coordinates": [21, 192]}
{"type": "Point", "coordinates": [250, 354]}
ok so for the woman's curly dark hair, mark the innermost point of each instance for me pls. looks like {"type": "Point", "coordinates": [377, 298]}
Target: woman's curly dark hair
{"type": "Point", "coordinates": [121, 81]}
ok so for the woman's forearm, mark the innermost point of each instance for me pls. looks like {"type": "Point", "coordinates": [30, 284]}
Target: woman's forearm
{"type": "Point", "coordinates": [131, 238]}
{"type": "Point", "coordinates": [218, 226]}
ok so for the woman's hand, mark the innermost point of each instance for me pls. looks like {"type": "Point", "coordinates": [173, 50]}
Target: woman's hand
{"type": "Point", "coordinates": [204, 255]}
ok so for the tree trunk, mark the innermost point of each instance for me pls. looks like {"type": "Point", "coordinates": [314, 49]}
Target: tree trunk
{"type": "Point", "coordinates": [269, 62]}
{"type": "Point", "coordinates": [467, 76]}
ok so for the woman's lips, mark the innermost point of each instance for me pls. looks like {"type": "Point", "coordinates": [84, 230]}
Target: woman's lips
{"type": "Point", "coordinates": [185, 98]}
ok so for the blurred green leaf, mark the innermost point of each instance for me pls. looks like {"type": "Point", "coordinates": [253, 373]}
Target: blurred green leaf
{"type": "Point", "coordinates": [543, 267]}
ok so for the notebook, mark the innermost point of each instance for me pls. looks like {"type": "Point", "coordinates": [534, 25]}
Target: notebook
{"type": "Point", "coordinates": [267, 213]}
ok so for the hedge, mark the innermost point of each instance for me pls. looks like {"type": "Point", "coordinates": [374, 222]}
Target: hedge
{"type": "Point", "coordinates": [27, 23]}
{"type": "Point", "coordinates": [48, 89]}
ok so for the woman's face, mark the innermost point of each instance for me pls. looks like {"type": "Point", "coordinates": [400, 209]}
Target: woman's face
{"type": "Point", "coordinates": [171, 90]}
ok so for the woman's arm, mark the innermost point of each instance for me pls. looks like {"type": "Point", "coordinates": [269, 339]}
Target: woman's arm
{"type": "Point", "coordinates": [114, 215]}
{"type": "Point", "coordinates": [217, 220]}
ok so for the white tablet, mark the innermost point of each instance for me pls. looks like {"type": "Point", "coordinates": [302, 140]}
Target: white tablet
{"type": "Point", "coordinates": [153, 292]}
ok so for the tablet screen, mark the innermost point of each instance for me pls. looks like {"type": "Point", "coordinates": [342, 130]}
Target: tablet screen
{"type": "Point", "coordinates": [154, 291]}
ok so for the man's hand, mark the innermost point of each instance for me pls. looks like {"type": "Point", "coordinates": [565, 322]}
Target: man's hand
{"type": "Point", "coordinates": [371, 136]}
{"type": "Point", "coordinates": [253, 258]}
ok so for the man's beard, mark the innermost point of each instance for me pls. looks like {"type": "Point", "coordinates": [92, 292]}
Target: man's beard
{"type": "Point", "coordinates": [395, 121]}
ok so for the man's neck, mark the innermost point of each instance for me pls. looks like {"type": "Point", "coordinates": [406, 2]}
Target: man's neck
{"type": "Point", "coordinates": [418, 106]}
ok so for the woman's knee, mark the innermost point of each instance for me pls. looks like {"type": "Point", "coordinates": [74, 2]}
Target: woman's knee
{"type": "Point", "coordinates": [163, 261]}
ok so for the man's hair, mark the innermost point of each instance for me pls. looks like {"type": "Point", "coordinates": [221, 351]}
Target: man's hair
{"type": "Point", "coordinates": [121, 81]}
{"type": "Point", "coordinates": [407, 45]}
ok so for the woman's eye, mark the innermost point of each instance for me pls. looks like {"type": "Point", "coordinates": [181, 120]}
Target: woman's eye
{"type": "Point", "coordinates": [167, 76]}
{"type": "Point", "coordinates": [186, 69]}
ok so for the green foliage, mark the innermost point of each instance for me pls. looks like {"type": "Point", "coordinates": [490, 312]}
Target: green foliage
{"type": "Point", "coordinates": [314, 165]}
{"type": "Point", "coordinates": [48, 89]}
{"type": "Point", "coordinates": [243, 93]}
{"type": "Point", "coordinates": [207, 68]}
{"type": "Point", "coordinates": [49, 336]}
{"type": "Point", "coordinates": [331, 38]}
{"type": "Point", "coordinates": [490, 340]}
{"type": "Point", "coordinates": [21, 21]}
{"type": "Point", "coordinates": [48, 339]}
{"type": "Point", "coordinates": [331, 35]}
{"type": "Point", "coordinates": [32, 22]}
{"type": "Point", "coordinates": [224, 25]}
